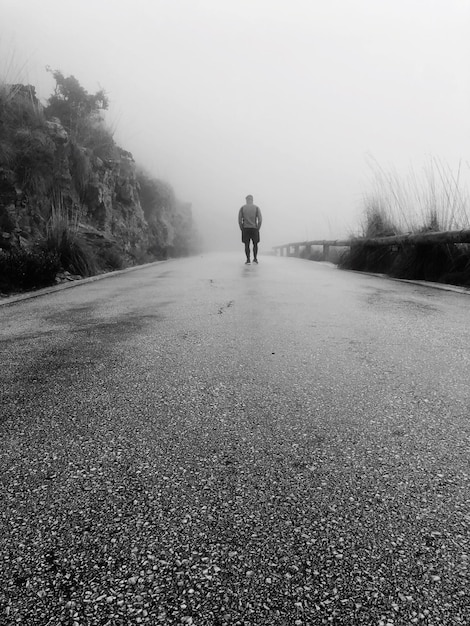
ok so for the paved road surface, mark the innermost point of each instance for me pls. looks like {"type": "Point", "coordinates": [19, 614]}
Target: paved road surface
{"type": "Point", "coordinates": [203, 442]}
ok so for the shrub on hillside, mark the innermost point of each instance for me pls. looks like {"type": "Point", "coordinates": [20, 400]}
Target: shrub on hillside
{"type": "Point", "coordinates": [33, 160]}
{"type": "Point", "coordinates": [73, 105]}
{"type": "Point", "coordinates": [27, 269]}
{"type": "Point", "coordinates": [75, 255]}
{"type": "Point", "coordinates": [19, 108]}
{"type": "Point", "coordinates": [80, 169]}
{"type": "Point", "coordinates": [377, 222]}
{"type": "Point", "coordinates": [110, 259]}
{"type": "Point", "coordinates": [25, 147]}
{"type": "Point", "coordinates": [63, 239]}
{"type": "Point", "coordinates": [7, 153]}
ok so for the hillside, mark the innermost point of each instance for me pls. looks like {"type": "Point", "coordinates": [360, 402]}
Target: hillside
{"type": "Point", "coordinates": [64, 180]}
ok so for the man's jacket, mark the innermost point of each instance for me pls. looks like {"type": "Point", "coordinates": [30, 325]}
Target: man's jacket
{"type": "Point", "coordinates": [249, 216]}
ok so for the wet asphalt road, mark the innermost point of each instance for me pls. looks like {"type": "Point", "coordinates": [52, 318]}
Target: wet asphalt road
{"type": "Point", "coordinates": [203, 442]}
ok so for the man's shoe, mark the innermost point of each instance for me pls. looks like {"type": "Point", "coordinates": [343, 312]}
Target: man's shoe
{"type": "Point", "coordinates": [255, 260]}
{"type": "Point", "coordinates": [247, 262]}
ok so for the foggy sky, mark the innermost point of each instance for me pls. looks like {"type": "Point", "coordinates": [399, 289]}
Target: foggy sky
{"type": "Point", "coordinates": [281, 99]}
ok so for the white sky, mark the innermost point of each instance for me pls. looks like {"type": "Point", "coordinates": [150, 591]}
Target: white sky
{"type": "Point", "coordinates": [283, 99]}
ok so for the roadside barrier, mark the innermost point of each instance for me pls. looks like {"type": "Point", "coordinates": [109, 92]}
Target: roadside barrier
{"type": "Point", "coordinates": [303, 248]}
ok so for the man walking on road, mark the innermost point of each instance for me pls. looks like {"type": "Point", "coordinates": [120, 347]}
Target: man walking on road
{"type": "Point", "coordinates": [249, 220]}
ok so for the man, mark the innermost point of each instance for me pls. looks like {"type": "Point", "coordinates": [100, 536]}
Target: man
{"type": "Point", "coordinates": [249, 220]}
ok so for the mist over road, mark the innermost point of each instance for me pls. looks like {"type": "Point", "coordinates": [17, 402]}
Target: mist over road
{"type": "Point", "coordinates": [203, 442]}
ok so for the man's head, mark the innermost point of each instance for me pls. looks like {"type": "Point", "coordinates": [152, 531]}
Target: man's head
{"type": "Point", "coordinates": [249, 199]}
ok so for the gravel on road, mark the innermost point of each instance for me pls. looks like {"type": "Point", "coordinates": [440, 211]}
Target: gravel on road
{"type": "Point", "coordinates": [163, 461]}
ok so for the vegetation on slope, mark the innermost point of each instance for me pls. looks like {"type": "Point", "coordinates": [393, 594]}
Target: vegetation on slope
{"type": "Point", "coordinates": [437, 202]}
{"type": "Point", "coordinates": [71, 199]}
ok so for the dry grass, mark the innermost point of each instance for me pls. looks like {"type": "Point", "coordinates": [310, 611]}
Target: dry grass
{"type": "Point", "coordinates": [436, 198]}
{"type": "Point", "coordinates": [62, 238]}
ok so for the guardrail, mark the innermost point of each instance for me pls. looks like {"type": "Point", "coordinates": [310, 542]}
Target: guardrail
{"type": "Point", "coordinates": [304, 247]}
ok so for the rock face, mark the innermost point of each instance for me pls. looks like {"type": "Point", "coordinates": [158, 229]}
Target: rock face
{"type": "Point", "coordinates": [43, 167]}
{"type": "Point", "coordinates": [112, 202]}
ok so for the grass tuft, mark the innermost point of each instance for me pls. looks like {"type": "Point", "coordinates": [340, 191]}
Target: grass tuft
{"type": "Point", "coordinates": [436, 201]}
{"type": "Point", "coordinates": [436, 198]}
{"type": "Point", "coordinates": [63, 239]}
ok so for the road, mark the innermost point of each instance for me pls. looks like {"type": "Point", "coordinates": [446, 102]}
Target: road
{"type": "Point", "coordinates": [203, 442]}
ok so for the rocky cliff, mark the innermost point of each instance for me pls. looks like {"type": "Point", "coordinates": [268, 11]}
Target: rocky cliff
{"type": "Point", "coordinates": [47, 167]}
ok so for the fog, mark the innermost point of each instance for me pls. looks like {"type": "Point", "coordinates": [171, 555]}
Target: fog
{"type": "Point", "coordinates": [285, 100]}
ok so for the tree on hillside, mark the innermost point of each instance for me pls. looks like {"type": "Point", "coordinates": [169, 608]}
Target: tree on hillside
{"type": "Point", "coordinates": [73, 105]}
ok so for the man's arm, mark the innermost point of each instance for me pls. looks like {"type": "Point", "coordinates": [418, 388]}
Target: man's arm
{"type": "Point", "coordinates": [260, 218]}
{"type": "Point", "coordinates": [240, 218]}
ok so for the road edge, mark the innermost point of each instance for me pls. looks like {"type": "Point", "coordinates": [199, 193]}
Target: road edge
{"type": "Point", "coordinates": [421, 283]}
{"type": "Point", "coordinates": [73, 283]}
